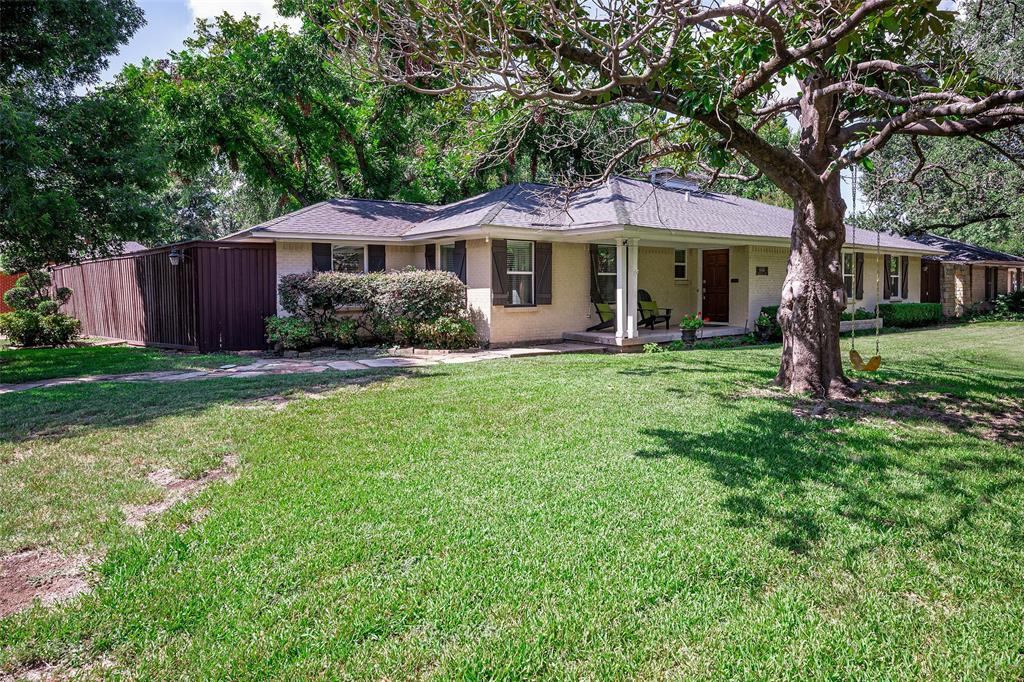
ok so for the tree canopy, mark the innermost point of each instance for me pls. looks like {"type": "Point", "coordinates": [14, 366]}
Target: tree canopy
{"type": "Point", "coordinates": [969, 188]}
{"type": "Point", "coordinates": [80, 171]}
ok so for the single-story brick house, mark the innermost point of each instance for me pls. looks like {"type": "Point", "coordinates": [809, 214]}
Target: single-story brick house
{"type": "Point", "coordinates": [966, 277]}
{"type": "Point", "coordinates": [535, 260]}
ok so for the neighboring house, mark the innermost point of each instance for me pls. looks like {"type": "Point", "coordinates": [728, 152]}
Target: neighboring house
{"type": "Point", "coordinates": [535, 260]}
{"type": "Point", "coordinates": [966, 276]}
{"type": "Point", "coordinates": [6, 283]}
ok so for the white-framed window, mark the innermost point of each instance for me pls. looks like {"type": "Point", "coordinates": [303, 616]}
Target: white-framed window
{"type": "Point", "coordinates": [448, 257]}
{"type": "Point", "coordinates": [519, 268]}
{"type": "Point", "coordinates": [680, 264]}
{"type": "Point", "coordinates": [849, 274]}
{"type": "Point", "coordinates": [348, 258]}
{"type": "Point", "coordinates": [606, 282]}
{"type": "Point", "coordinates": [894, 277]}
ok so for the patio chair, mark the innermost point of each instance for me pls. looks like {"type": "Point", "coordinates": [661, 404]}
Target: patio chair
{"type": "Point", "coordinates": [650, 313]}
{"type": "Point", "coordinates": [606, 315]}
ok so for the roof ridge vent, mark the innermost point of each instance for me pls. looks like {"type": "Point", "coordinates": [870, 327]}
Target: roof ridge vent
{"type": "Point", "coordinates": [667, 178]}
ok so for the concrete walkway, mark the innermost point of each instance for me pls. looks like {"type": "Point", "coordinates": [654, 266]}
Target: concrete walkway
{"type": "Point", "coordinates": [277, 366]}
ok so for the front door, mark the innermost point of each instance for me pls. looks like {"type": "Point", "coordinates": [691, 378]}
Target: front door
{"type": "Point", "coordinates": [930, 281]}
{"type": "Point", "coordinates": [715, 304]}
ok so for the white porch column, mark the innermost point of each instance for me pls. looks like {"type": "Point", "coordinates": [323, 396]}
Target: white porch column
{"type": "Point", "coordinates": [621, 296]}
{"type": "Point", "coordinates": [632, 268]}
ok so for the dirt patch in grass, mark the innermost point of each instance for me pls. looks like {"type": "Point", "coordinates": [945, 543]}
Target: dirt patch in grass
{"type": "Point", "coordinates": [176, 490]}
{"type": "Point", "coordinates": [39, 574]}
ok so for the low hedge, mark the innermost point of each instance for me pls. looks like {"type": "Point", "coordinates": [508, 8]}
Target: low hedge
{"type": "Point", "coordinates": [893, 315]}
{"type": "Point", "coordinates": [418, 307]}
{"type": "Point", "coordinates": [910, 314]}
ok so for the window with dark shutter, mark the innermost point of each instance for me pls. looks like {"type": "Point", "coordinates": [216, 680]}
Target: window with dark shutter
{"type": "Point", "coordinates": [904, 277]}
{"type": "Point", "coordinates": [321, 257]}
{"type": "Point", "coordinates": [430, 257]}
{"type": "Point", "coordinates": [499, 272]}
{"type": "Point", "coordinates": [375, 258]}
{"type": "Point", "coordinates": [460, 260]}
{"type": "Point", "coordinates": [542, 270]}
{"type": "Point", "coordinates": [860, 276]}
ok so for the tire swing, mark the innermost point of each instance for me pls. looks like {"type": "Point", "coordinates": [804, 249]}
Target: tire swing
{"type": "Point", "coordinates": [856, 360]}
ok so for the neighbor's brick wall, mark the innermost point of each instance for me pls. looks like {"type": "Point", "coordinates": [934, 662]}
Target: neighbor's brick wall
{"type": "Point", "coordinates": [6, 283]}
{"type": "Point", "coordinates": [977, 286]}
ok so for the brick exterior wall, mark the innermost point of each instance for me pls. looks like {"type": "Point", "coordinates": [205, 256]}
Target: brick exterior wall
{"type": "Point", "coordinates": [571, 309]}
{"type": "Point", "coordinates": [6, 282]}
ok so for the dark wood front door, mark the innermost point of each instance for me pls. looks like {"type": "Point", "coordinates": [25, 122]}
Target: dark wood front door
{"type": "Point", "coordinates": [716, 285]}
{"type": "Point", "coordinates": [930, 282]}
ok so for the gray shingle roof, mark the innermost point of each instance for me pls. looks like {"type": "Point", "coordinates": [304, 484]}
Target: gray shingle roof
{"type": "Point", "coordinates": [618, 202]}
{"type": "Point", "coordinates": [350, 217]}
{"type": "Point", "coordinates": [962, 252]}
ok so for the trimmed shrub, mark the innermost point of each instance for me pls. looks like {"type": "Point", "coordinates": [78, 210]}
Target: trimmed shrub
{"type": "Point", "coordinates": [910, 314]}
{"type": "Point", "coordinates": [447, 332]}
{"type": "Point", "coordinates": [37, 320]}
{"type": "Point", "coordinates": [414, 295]}
{"type": "Point", "coordinates": [402, 307]}
{"type": "Point", "coordinates": [293, 333]}
{"type": "Point", "coordinates": [340, 333]}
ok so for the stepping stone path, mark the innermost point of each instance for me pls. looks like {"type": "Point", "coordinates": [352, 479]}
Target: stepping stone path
{"type": "Point", "coordinates": [276, 366]}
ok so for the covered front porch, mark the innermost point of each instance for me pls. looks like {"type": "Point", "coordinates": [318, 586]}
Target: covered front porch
{"type": "Point", "coordinates": [639, 284]}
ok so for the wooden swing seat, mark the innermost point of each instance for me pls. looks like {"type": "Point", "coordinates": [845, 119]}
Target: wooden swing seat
{"type": "Point", "coordinates": [858, 363]}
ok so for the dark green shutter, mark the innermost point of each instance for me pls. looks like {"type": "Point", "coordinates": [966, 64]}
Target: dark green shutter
{"type": "Point", "coordinates": [886, 269]}
{"type": "Point", "coordinates": [460, 260]}
{"type": "Point", "coordinates": [430, 257]}
{"type": "Point", "coordinates": [375, 260]}
{"type": "Point", "coordinates": [499, 272]}
{"type": "Point", "coordinates": [904, 277]}
{"type": "Point", "coordinates": [321, 257]}
{"type": "Point", "coordinates": [542, 272]}
{"type": "Point", "coordinates": [595, 288]}
{"type": "Point", "coordinates": [859, 277]}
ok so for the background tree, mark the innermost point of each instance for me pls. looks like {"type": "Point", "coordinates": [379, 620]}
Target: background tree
{"type": "Point", "coordinates": [79, 172]}
{"type": "Point", "coordinates": [710, 73]}
{"type": "Point", "coordinates": [260, 122]}
{"type": "Point", "coordinates": [969, 188]}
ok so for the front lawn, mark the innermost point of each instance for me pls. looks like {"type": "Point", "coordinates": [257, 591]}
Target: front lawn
{"type": "Point", "coordinates": [35, 364]}
{"type": "Point", "coordinates": [638, 517]}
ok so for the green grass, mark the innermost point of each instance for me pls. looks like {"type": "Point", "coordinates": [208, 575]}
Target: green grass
{"type": "Point", "coordinates": [597, 517]}
{"type": "Point", "coordinates": [36, 364]}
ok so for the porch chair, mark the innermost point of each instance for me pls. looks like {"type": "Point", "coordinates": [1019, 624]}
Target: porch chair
{"type": "Point", "coordinates": [606, 315]}
{"type": "Point", "coordinates": [650, 313]}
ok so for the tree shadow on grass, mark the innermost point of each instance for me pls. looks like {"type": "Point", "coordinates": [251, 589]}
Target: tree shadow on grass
{"type": "Point", "coordinates": [75, 409]}
{"type": "Point", "coordinates": [793, 479]}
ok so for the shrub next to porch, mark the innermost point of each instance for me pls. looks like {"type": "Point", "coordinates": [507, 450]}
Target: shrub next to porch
{"type": "Point", "coordinates": [402, 307]}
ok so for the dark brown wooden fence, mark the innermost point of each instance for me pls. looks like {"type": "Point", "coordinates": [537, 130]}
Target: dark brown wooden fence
{"type": "Point", "coordinates": [215, 299]}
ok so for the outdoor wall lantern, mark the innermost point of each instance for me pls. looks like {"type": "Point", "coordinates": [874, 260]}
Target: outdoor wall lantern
{"type": "Point", "coordinates": [176, 256]}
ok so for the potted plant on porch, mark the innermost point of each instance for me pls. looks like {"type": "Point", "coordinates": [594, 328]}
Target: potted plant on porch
{"type": "Point", "coordinates": [688, 326]}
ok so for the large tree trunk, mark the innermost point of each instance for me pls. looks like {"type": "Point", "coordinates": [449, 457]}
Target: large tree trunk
{"type": "Point", "coordinates": [813, 297]}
